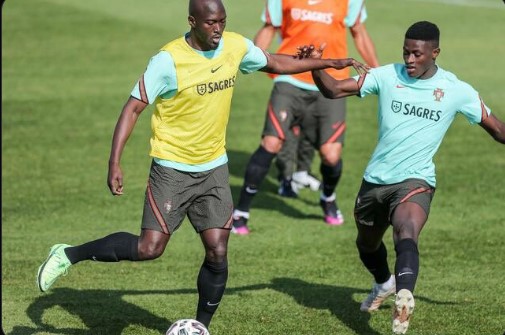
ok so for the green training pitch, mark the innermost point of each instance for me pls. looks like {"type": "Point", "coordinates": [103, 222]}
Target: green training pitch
{"type": "Point", "coordinates": [68, 66]}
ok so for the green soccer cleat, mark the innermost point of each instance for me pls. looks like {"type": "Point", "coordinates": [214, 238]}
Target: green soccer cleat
{"type": "Point", "coordinates": [56, 264]}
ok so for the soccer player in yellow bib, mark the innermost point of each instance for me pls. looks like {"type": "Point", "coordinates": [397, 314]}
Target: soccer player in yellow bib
{"type": "Point", "coordinates": [190, 82]}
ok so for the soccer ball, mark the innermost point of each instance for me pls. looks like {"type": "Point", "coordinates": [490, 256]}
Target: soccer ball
{"type": "Point", "coordinates": [187, 327]}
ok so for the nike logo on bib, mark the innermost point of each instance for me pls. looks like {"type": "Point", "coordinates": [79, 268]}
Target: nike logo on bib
{"type": "Point", "coordinates": [215, 69]}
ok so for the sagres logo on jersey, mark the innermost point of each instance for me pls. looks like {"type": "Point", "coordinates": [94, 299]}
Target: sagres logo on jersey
{"type": "Point", "coordinates": [309, 15]}
{"type": "Point", "coordinates": [201, 89]}
{"type": "Point", "coordinates": [396, 106]}
{"type": "Point", "coordinates": [215, 86]}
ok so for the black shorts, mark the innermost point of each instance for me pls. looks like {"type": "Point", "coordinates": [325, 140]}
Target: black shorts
{"type": "Point", "coordinates": [321, 120]}
{"type": "Point", "coordinates": [375, 203]}
{"type": "Point", "coordinates": [171, 194]}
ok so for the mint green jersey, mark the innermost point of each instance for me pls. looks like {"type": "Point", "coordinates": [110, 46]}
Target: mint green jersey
{"type": "Point", "coordinates": [414, 115]}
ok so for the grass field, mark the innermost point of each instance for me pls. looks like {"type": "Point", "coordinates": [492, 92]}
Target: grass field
{"type": "Point", "coordinates": [68, 66]}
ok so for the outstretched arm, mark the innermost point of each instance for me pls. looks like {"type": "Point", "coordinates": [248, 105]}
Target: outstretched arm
{"type": "Point", "coordinates": [288, 64]}
{"type": "Point", "coordinates": [124, 127]}
{"type": "Point", "coordinates": [332, 88]}
{"type": "Point", "coordinates": [495, 128]}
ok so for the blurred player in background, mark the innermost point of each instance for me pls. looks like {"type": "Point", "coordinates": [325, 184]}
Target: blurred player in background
{"type": "Point", "coordinates": [190, 82]}
{"type": "Point", "coordinates": [418, 101]}
{"type": "Point", "coordinates": [296, 101]}
{"type": "Point", "coordinates": [294, 164]}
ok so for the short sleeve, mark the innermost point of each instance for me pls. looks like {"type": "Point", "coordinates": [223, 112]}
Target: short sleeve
{"type": "Point", "coordinates": [370, 84]}
{"type": "Point", "coordinates": [254, 59]}
{"type": "Point", "coordinates": [158, 79]}
{"type": "Point", "coordinates": [356, 12]}
{"type": "Point", "coordinates": [272, 13]}
{"type": "Point", "coordinates": [472, 106]}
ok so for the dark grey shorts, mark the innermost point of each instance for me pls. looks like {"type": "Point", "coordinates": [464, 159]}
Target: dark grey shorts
{"type": "Point", "coordinates": [375, 204]}
{"type": "Point", "coordinates": [171, 194]}
{"type": "Point", "coordinates": [321, 120]}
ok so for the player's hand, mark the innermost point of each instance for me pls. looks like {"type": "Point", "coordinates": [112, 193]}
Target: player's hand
{"type": "Point", "coordinates": [115, 179]}
{"type": "Point", "coordinates": [360, 68]}
{"type": "Point", "coordinates": [309, 51]}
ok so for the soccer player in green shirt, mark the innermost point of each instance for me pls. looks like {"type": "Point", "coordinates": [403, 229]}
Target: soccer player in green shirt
{"type": "Point", "coordinates": [418, 101]}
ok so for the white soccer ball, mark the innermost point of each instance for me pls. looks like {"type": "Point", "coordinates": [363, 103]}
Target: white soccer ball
{"type": "Point", "coordinates": [187, 327]}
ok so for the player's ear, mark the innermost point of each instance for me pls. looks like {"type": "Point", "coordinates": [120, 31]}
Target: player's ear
{"type": "Point", "coordinates": [192, 21]}
{"type": "Point", "coordinates": [435, 53]}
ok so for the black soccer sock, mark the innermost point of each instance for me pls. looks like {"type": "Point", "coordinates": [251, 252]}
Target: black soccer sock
{"type": "Point", "coordinates": [255, 173]}
{"type": "Point", "coordinates": [377, 263]}
{"type": "Point", "coordinates": [407, 264]}
{"type": "Point", "coordinates": [331, 176]}
{"type": "Point", "coordinates": [112, 248]}
{"type": "Point", "coordinates": [211, 284]}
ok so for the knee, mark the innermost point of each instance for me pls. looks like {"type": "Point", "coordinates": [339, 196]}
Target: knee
{"type": "Point", "coordinates": [217, 253]}
{"type": "Point", "coordinates": [408, 220]}
{"type": "Point", "coordinates": [272, 144]}
{"type": "Point", "coordinates": [150, 249]}
{"type": "Point", "coordinates": [406, 230]}
{"type": "Point", "coordinates": [330, 159]}
{"type": "Point", "coordinates": [330, 153]}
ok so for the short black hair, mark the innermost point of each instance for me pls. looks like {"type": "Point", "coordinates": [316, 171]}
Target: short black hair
{"type": "Point", "coordinates": [424, 31]}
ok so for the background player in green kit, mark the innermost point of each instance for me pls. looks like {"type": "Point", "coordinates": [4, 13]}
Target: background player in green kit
{"type": "Point", "coordinates": [190, 82]}
{"type": "Point", "coordinates": [418, 101]}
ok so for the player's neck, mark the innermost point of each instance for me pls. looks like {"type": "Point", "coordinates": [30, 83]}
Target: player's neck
{"type": "Point", "coordinates": [191, 43]}
{"type": "Point", "coordinates": [430, 72]}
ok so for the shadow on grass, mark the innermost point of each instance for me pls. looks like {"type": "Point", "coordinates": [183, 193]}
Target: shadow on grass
{"type": "Point", "coordinates": [100, 311]}
{"type": "Point", "coordinates": [107, 312]}
{"type": "Point", "coordinates": [337, 299]}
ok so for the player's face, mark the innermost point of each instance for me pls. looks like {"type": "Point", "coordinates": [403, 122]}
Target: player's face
{"type": "Point", "coordinates": [419, 57]}
{"type": "Point", "coordinates": [208, 27]}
